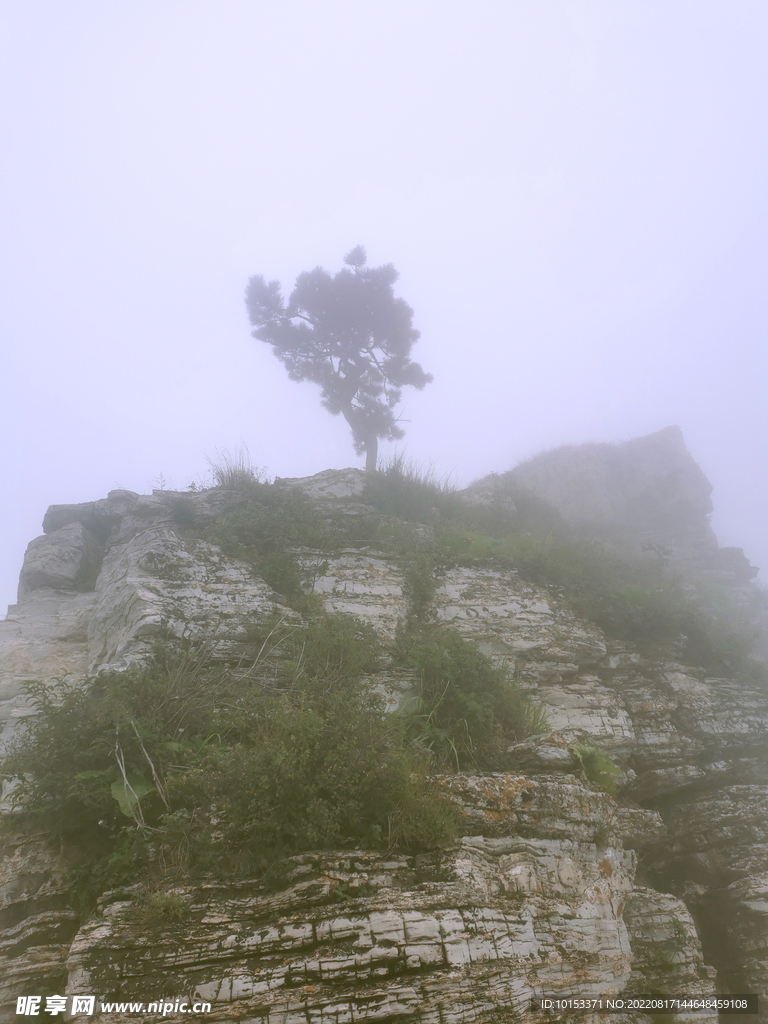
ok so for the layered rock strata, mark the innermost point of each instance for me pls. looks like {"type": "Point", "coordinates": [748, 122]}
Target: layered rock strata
{"type": "Point", "coordinates": [553, 887]}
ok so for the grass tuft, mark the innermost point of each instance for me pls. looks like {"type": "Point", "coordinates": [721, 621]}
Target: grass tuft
{"type": "Point", "coordinates": [234, 471]}
{"type": "Point", "coordinates": [401, 488]}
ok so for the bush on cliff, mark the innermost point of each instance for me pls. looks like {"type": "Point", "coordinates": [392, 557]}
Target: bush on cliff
{"type": "Point", "coordinates": [196, 767]}
{"type": "Point", "coordinates": [468, 711]}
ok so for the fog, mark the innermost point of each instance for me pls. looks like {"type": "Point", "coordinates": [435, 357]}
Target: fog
{"type": "Point", "coordinates": [574, 195]}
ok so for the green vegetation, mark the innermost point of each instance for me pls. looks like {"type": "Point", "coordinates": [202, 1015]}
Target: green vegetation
{"type": "Point", "coordinates": [597, 766]}
{"type": "Point", "coordinates": [349, 335]}
{"type": "Point", "coordinates": [602, 834]}
{"type": "Point", "coordinates": [423, 523]}
{"type": "Point", "coordinates": [263, 527]}
{"type": "Point", "coordinates": [198, 768]}
{"type": "Point", "coordinates": [419, 583]}
{"type": "Point", "coordinates": [400, 488]}
{"type": "Point", "coordinates": [468, 711]}
{"type": "Point", "coordinates": [630, 598]}
{"type": "Point", "coordinates": [234, 472]}
{"type": "Point", "coordinates": [157, 910]}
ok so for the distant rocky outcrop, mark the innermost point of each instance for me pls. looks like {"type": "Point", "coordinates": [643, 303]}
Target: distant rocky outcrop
{"type": "Point", "coordinates": [648, 493]}
{"type": "Point", "coordinates": [553, 887]}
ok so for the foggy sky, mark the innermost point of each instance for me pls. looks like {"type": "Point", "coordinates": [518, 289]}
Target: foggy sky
{"type": "Point", "coordinates": [574, 195]}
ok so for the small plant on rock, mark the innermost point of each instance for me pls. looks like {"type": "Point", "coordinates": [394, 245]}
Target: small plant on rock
{"type": "Point", "coordinates": [234, 471]}
{"type": "Point", "coordinates": [597, 766]}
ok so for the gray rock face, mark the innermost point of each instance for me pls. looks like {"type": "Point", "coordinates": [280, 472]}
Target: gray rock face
{"type": "Point", "coordinates": [67, 559]}
{"type": "Point", "coordinates": [38, 922]}
{"type": "Point", "coordinates": [100, 517]}
{"type": "Point", "coordinates": [459, 934]}
{"type": "Point", "coordinates": [360, 583]}
{"type": "Point", "coordinates": [156, 583]}
{"type": "Point", "coordinates": [647, 494]}
{"type": "Point", "coordinates": [555, 886]}
{"type": "Point", "coordinates": [667, 955]}
{"type": "Point", "coordinates": [44, 637]}
{"type": "Point", "coordinates": [651, 484]}
{"type": "Point", "coordinates": [330, 485]}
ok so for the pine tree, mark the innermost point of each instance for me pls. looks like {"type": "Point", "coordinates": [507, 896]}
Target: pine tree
{"type": "Point", "coordinates": [348, 334]}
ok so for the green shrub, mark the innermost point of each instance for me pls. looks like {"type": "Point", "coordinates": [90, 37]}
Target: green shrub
{"type": "Point", "coordinates": [157, 910]}
{"type": "Point", "coordinates": [468, 711]}
{"type": "Point", "coordinates": [420, 585]}
{"type": "Point", "coordinates": [321, 771]}
{"type": "Point", "coordinates": [597, 765]}
{"type": "Point", "coordinates": [263, 528]}
{"type": "Point", "coordinates": [265, 522]}
{"type": "Point", "coordinates": [602, 834]}
{"type": "Point", "coordinates": [192, 766]}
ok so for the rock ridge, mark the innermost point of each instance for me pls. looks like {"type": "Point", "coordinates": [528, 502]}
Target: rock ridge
{"type": "Point", "coordinates": [553, 885]}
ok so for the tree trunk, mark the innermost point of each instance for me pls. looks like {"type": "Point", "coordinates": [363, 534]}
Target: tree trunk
{"type": "Point", "coordinates": [359, 431]}
{"type": "Point", "coordinates": [371, 454]}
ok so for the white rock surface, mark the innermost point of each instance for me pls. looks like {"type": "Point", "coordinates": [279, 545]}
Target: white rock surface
{"type": "Point", "coordinates": [329, 485]}
{"type": "Point", "coordinates": [360, 583]}
{"type": "Point", "coordinates": [159, 584]}
{"type": "Point", "coordinates": [538, 895]}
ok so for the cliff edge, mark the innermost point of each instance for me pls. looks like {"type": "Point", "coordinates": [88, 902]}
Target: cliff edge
{"type": "Point", "coordinates": [618, 848]}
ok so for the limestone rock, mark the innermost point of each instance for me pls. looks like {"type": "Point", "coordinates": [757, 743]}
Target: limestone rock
{"type": "Point", "coordinates": [67, 559]}
{"type": "Point", "coordinates": [540, 894]}
{"type": "Point", "coordinates": [158, 584]}
{"type": "Point", "coordinates": [329, 485]}
{"type": "Point", "coordinates": [100, 517]}
{"type": "Point", "coordinates": [667, 951]}
{"type": "Point", "coordinates": [483, 927]}
{"type": "Point", "coordinates": [742, 912]}
{"type": "Point", "coordinates": [361, 583]}
{"type": "Point", "coordinates": [499, 804]}
{"type": "Point", "coordinates": [45, 637]}
{"type": "Point", "coordinates": [505, 616]}
{"type": "Point", "coordinates": [650, 485]}
{"type": "Point", "coordinates": [38, 920]}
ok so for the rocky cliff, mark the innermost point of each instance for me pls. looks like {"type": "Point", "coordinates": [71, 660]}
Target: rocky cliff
{"type": "Point", "coordinates": [557, 882]}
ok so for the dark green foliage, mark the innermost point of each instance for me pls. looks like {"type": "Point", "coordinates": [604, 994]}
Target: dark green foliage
{"type": "Point", "coordinates": [157, 910]}
{"type": "Point", "coordinates": [268, 521]}
{"type": "Point", "coordinates": [629, 599]}
{"type": "Point", "coordinates": [468, 710]}
{"type": "Point", "coordinates": [348, 334]}
{"type": "Point", "coordinates": [183, 511]}
{"type": "Point", "coordinates": [339, 647]}
{"type": "Point", "coordinates": [420, 584]}
{"type": "Point", "coordinates": [191, 766]}
{"type": "Point", "coordinates": [601, 835]}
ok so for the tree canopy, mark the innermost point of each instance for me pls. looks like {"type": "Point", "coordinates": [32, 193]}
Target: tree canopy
{"type": "Point", "coordinates": [349, 334]}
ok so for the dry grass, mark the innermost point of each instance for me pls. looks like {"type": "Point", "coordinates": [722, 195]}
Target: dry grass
{"type": "Point", "coordinates": [234, 471]}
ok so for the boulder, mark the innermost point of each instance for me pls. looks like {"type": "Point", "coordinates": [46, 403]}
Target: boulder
{"type": "Point", "coordinates": [66, 559]}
